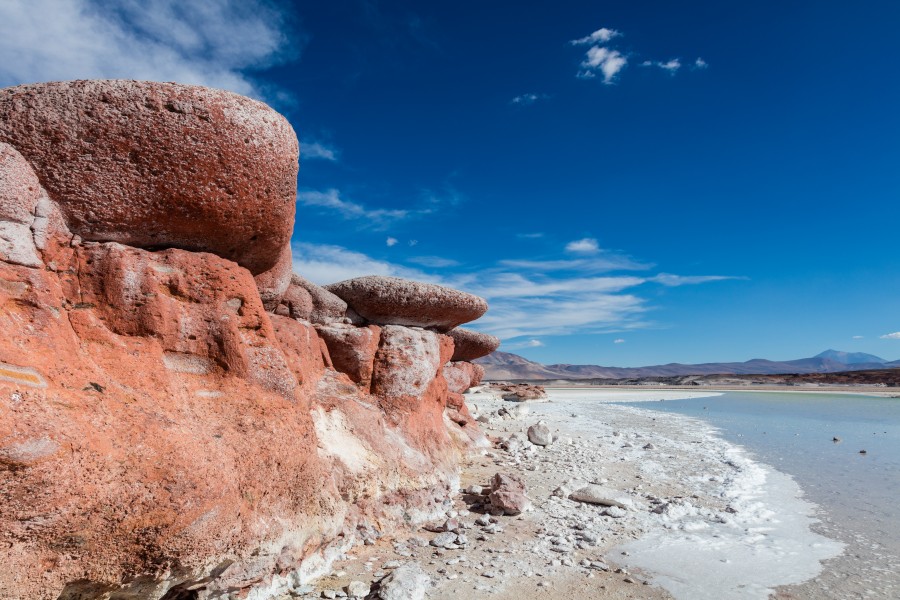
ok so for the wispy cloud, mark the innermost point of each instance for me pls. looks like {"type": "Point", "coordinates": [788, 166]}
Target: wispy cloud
{"type": "Point", "coordinates": [669, 280]}
{"type": "Point", "coordinates": [671, 65]}
{"type": "Point", "coordinates": [858, 337]}
{"type": "Point", "coordinates": [891, 336]}
{"type": "Point", "coordinates": [618, 341]}
{"type": "Point", "coordinates": [331, 200]}
{"type": "Point", "coordinates": [391, 241]}
{"type": "Point", "coordinates": [700, 63]}
{"type": "Point", "coordinates": [532, 343]}
{"type": "Point", "coordinates": [311, 150]}
{"type": "Point", "coordinates": [324, 264]}
{"type": "Point", "coordinates": [530, 236]}
{"type": "Point", "coordinates": [528, 99]}
{"type": "Point", "coordinates": [602, 36]}
{"type": "Point", "coordinates": [583, 246]}
{"type": "Point", "coordinates": [210, 42]}
{"type": "Point", "coordinates": [526, 300]}
{"type": "Point", "coordinates": [436, 262]}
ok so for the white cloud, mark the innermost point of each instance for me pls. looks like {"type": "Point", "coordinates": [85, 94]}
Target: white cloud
{"type": "Point", "coordinates": [524, 301]}
{"type": "Point", "coordinates": [858, 337]}
{"type": "Point", "coordinates": [324, 264]}
{"type": "Point", "coordinates": [602, 36]}
{"type": "Point", "coordinates": [594, 264]}
{"type": "Point", "coordinates": [413, 243]}
{"type": "Point", "coordinates": [618, 341]}
{"type": "Point", "coordinates": [700, 63]}
{"type": "Point", "coordinates": [436, 262]}
{"type": "Point", "coordinates": [532, 343]}
{"type": "Point", "coordinates": [391, 241]}
{"type": "Point", "coordinates": [891, 336]}
{"type": "Point", "coordinates": [207, 42]}
{"type": "Point", "coordinates": [528, 99]}
{"type": "Point", "coordinates": [331, 199]}
{"type": "Point", "coordinates": [529, 236]}
{"type": "Point", "coordinates": [310, 150]}
{"type": "Point", "coordinates": [583, 246]}
{"type": "Point", "coordinates": [609, 62]}
{"type": "Point", "coordinates": [669, 280]}
{"type": "Point", "coordinates": [671, 66]}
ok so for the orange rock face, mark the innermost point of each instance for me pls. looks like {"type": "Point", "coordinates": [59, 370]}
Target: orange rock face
{"type": "Point", "coordinates": [161, 433]}
{"type": "Point", "coordinates": [160, 164]}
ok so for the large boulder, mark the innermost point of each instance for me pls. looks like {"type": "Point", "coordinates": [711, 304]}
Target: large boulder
{"type": "Point", "coordinates": [396, 301]}
{"type": "Point", "coordinates": [160, 165]}
{"type": "Point", "coordinates": [469, 345]}
{"type": "Point", "coordinates": [326, 307]}
{"type": "Point", "coordinates": [352, 349]}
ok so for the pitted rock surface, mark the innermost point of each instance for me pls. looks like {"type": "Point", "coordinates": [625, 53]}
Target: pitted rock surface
{"type": "Point", "coordinates": [326, 307]}
{"type": "Point", "coordinates": [470, 345]}
{"type": "Point", "coordinates": [407, 361]}
{"type": "Point", "coordinates": [274, 283]}
{"type": "Point", "coordinates": [20, 189]}
{"type": "Point", "coordinates": [352, 349]}
{"type": "Point", "coordinates": [160, 164]}
{"type": "Point", "coordinates": [460, 375]}
{"type": "Point", "coordinates": [396, 301]}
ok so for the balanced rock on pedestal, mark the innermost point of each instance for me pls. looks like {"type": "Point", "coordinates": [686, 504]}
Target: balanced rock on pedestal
{"type": "Point", "coordinates": [160, 165]}
{"type": "Point", "coordinates": [469, 345]}
{"type": "Point", "coordinates": [396, 301]}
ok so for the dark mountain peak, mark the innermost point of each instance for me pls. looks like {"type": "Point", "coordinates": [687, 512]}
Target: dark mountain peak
{"type": "Point", "coordinates": [850, 358]}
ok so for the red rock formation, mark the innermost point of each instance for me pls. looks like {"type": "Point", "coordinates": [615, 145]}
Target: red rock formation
{"type": "Point", "coordinates": [395, 301]}
{"type": "Point", "coordinates": [326, 307]}
{"type": "Point", "coordinates": [160, 432]}
{"type": "Point", "coordinates": [160, 164]}
{"type": "Point", "coordinates": [472, 344]}
{"type": "Point", "coordinates": [460, 375]}
{"type": "Point", "coordinates": [352, 350]}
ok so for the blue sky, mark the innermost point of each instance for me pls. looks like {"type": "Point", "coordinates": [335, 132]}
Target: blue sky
{"type": "Point", "coordinates": [627, 183]}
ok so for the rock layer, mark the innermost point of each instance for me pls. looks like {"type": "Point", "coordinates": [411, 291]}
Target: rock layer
{"type": "Point", "coordinates": [396, 301]}
{"type": "Point", "coordinates": [160, 164]}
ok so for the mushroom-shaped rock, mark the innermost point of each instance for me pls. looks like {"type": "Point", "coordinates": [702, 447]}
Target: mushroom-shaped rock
{"type": "Point", "coordinates": [469, 345]}
{"type": "Point", "coordinates": [160, 165]}
{"type": "Point", "coordinates": [326, 307]}
{"type": "Point", "coordinates": [396, 301]}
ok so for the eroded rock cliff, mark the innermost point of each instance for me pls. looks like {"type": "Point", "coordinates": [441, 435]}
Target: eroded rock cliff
{"type": "Point", "coordinates": [179, 418]}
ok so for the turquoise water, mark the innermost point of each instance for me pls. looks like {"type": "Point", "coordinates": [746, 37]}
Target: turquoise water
{"type": "Point", "coordinates": [859, 494]}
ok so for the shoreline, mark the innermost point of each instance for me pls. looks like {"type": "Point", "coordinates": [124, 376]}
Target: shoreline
{"type": "Point", "coordinates": [844, 389]}
{"type": "Point", "coordinates": [682, 481]}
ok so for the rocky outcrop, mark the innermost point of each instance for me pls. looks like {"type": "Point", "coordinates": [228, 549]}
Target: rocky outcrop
{"type": "Point", "coordinates": [461, 376]}
{"type": "Point", "coordinates": [326, 307]}
{"type": "Point", "coordinates": [395, 301]}
{"type": "Point", "coordinates": [470, 345]}
{"type": "Point", "coordinates": [519, 392]}
{"type": "Point", "coordinates": [163, 433]}
{"type": "Point", "coordinates": [160, 164]}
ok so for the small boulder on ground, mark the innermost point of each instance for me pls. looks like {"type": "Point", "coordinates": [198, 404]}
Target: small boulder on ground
{"type": "Point", "coordinates": [407, 582]}
{"type": "Point", "coordinates": [396, 301]}
{"type": "Point", "coordinates": [469, 345]}
{"type": "Point", "coordinates": [593, 493]}
{"type": "Point", "coordinates": [540, 435]}
{"type": "Point", "coordinates": [508, 494]}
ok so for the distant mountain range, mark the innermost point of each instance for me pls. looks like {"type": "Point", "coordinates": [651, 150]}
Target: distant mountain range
{"type": "Point", "coordinates": [504, 365]}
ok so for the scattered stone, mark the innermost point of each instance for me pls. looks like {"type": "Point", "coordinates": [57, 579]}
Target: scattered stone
{"type": "Point", "coordinates": [508, 494]}
{"type": "Point", "coordinates": [597, 494]}
{"type": "Point", "coordinates": [540, 435]}
{"type": "Point", "coordinates": [407, 582]}
{"type": "Point", "coordinates": [358, 589]}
